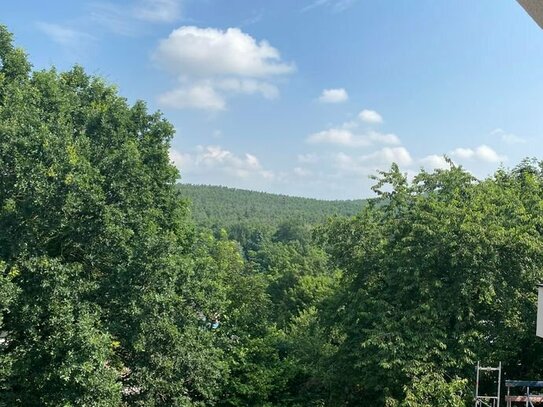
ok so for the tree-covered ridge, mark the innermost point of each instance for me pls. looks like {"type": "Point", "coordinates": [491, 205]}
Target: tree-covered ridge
{"type": "Point", "coordinates": [217, 205]}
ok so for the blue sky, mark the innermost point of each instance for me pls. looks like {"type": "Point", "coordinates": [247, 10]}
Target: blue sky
{"type": "Point", "coordinates": [310, 97]}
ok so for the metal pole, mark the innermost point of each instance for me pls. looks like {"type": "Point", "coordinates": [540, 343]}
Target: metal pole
{"type": "Point", "coordinates": [477, 387]}
{"type": "Point", "coordinates": [499, 382]}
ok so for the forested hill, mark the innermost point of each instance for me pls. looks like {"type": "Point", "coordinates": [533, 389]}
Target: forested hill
{"type": "Point", "coordinates": [216, 205]}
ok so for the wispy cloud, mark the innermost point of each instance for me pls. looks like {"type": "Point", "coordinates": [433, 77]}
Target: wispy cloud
{"type": "Point", "coordinates": [308, 158]}
{"type": "Point", "coordinates": [337, 6]}
{"type": "Point", "coordinates": [64, 35]}
{"type": "Point", "coordinates": [256, 17]}
{"type": "Point", "coordinates": [506, 137]}
{"type": "Point", "coordinates": [130, 20]}
{"type": "Point", "coordinates": [113, 18]}
{"type": "Point", "coordinates": [161, 11]}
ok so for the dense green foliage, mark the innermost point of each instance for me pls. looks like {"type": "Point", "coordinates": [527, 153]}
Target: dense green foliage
{"type": "Point", "coordinates": [98, 287]}
{"type": "Point", "coordinates": [227, 207]}
{"type": "Point", "coordinates": [112, 295]}
{"type": "Point", "coordinates": [441, 277]}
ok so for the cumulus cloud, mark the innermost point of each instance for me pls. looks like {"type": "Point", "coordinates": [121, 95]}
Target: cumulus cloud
{"type": "Point", "coordinates": [179, 159]}
{"type": "Point", "coordinates": [198, 97]}
{"type": "Point", "coordinates": [333, 96]}
{"type": "Point", "coordinates": [481, 153]}
{"type": "Point", "coordinates": [369, 163]}
{"type": "Point", "coordinates": [346, 137]}
{"type": "Point", "coordinates": [370, 116]}
{"type": "Point", "coordinates": [434, 162]}
{"type": "Point", "coordinates": [342, 137]}
{"type": "Point", "coordinates": [228, 61]}
{"type": "Point", "coordinates": [210, 94]}
{"type": "Point", "coordinates": [208, 52]}
{"type": "Point", "coordinates": [215, 162]}
{"type": "Point", "coordinates": [384, 138]}
{"type": "Point", "coordinates": [389, 155]}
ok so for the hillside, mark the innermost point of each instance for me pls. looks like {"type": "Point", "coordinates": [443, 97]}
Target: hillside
{"type": "Point", "coordinates": [216, 205]}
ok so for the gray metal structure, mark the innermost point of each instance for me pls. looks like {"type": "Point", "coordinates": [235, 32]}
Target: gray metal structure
{"type": "Point", "coordinates": [484, 400]}
{"type": "Point", "coordinates": [535, 9]}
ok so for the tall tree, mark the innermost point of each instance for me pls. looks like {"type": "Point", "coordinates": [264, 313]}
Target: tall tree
{"type": "Point", "coordinates": [97, 280]}
{"type": "Point", "coordinates": [439, 275]}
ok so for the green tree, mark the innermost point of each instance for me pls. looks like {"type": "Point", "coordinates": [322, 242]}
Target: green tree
{"type": "Point", "coordinates": [97, 274]}
{"type": "Point", "coordinates": [439, 275]}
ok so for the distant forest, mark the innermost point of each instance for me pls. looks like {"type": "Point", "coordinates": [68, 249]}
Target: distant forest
{"type": "Point", "coordinates": [217, 205]}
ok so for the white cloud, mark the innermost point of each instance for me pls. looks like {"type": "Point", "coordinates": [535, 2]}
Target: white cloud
{"type": "Point", "coordinates": [433, 162]}
{"type": "Point", "coordinates": [389, 155]}
{"type": "Point", "coordinates": [209, 94]}
{"type": "Point", "coordinates": [214, 162]}
{"type": "Point", "coordinates": [196, 97]}
{"type": "Point", "coordinates": [180, 160]}
{"type": "Point", "coordinates": [342, 137]}
{"type": "Point", "coordinates": [487, 154]}
{"type": "Point", "coordinates": [463, 153]}
{"type": "Point", "coordinates": [346, 137]}
{"type": "Point", "coordinates": [333, 96]}
{"type": "Point", "coordinates": [209, 52]}
{"type": "Point", "coordinates": [508, 138]}
{"type": "Point", "coordinates": [369, 163]}
{"type": "Point", "coordinates": [481, 153]}
{"type": "Point", "coordinates": [64, 35]}
{"type": "Point", "coordinates": [382, 138]}
{"type": "Point", "coordinates": [370, 116]}
{"type": "Point", "coordinates": [229, 61]}
{"type": "Point", "coordinates": [162, 11]}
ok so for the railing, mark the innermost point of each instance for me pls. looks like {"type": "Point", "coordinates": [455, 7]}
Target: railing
{"type": "Point", "coordinates": [528, 399]}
